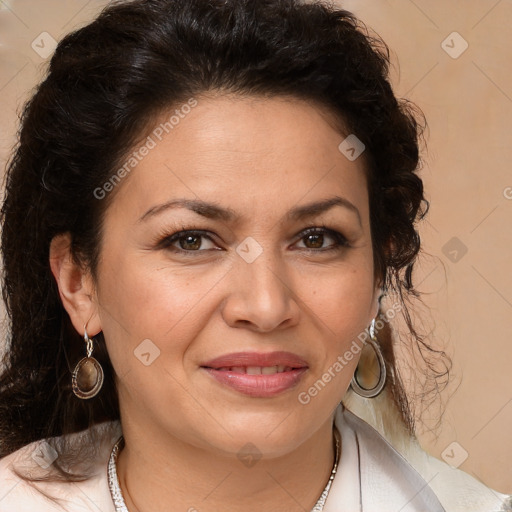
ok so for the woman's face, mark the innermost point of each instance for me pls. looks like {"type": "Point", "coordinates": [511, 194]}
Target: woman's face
{"type": "Point", "coordinates": [246, 284]}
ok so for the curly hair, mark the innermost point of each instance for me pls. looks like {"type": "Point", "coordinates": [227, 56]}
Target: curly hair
{"type": "Point", "coordinates": [106, 84]}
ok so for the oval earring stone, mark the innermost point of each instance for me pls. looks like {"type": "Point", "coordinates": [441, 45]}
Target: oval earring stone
{"type": "Point", "coordinates": [87, 378]}
{"type": "Point", "coordinates": [368, 369]}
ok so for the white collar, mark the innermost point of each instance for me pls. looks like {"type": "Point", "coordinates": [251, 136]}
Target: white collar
{"type": "Point", "coordinates": [372, 476]}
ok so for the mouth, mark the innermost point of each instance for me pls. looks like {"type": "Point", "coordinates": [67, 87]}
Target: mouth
{"type": "Point", "coordinates": [259, 375]}
{"type": "Point", "coordinates": [255, 370]}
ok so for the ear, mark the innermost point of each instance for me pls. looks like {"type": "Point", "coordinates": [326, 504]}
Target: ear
{"type": "Point", "coordinates": [76, 287]}
{"type": "Point", "coordinates": [377, 293]}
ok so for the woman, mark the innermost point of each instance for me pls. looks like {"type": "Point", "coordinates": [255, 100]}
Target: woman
{"type": "Point", "coordinates": [207, 204]}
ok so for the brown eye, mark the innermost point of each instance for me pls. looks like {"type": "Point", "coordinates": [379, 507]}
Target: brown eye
{"type": "Point", "coordinates": [314, 239]}
{"type": "Point", "coordinates": [187, 242]}
{"type": "Point", "coordinates": [190, 242]}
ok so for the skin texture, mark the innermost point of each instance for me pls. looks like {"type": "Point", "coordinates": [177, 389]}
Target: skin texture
{"type": "Point", "coordinates": [183, 430]}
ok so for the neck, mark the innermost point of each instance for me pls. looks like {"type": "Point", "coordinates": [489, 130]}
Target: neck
{"type": "Point", "coordinates": [169, 475]}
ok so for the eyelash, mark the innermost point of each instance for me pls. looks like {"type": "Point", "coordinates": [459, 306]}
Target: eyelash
{"type": "Point", "coordinates": [165, 241]}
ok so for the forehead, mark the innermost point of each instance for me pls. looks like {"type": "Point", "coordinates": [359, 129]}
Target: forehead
{"type": "Point", "coordinates": [247, 152]}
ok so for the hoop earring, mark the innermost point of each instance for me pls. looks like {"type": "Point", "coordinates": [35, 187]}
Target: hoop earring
{"type": "Point", "coordinates": [88, 374]}
{"type": "Point", "coordinates": [373, 392]}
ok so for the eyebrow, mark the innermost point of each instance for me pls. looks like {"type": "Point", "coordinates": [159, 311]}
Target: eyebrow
{"type": "Point", "coordinates": [216, 212]}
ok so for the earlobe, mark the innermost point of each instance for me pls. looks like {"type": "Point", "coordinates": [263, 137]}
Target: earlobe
{"type": "Point", "coordinates": [75, 285]}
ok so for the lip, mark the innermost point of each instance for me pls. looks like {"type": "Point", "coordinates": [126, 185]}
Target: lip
{"type": "Point", "coordinates": [257, 359]}
{"type": "Point", "coordinates": [259, 385]}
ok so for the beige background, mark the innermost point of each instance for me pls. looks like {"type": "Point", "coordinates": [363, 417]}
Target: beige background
{"type": "Point", "coordinates": [467, 174]}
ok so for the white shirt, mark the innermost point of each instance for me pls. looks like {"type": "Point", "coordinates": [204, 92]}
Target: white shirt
{"type": "Point", "coordinates": [372, 477]}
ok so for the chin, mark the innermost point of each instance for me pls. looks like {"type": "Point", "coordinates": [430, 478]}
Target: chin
{"type": "Point", "coordinates": [271, 434]}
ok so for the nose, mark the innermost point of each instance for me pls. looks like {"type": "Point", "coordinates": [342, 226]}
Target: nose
{"type": "Point", "coordinates": [262, 295]}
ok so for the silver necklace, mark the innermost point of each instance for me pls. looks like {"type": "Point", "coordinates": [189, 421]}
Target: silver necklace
{"type": "Point", "coordinates": [117, 495]}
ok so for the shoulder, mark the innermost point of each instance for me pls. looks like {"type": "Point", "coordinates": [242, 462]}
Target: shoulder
{"type": "Point", "coordinates": [455, 489]}
{"type": "Point", "coordinates": [36, 459]}
{"type": "Point", "coordinates": [386, 480]}
{"type": "Point", "coordinates": [18, 495]}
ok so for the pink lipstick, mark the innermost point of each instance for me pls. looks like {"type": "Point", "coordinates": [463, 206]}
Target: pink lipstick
{"type": "Point", "coordinates": [258, 374]}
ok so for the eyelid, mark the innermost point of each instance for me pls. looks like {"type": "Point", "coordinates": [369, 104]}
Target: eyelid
{"type": "Point", "coordinates": [165, 241]}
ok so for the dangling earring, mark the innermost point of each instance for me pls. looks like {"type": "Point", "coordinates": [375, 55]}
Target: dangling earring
{"type": "Point", "coordinates": [371, 393]}
{"type": "Point", "coordinates": [88, 374]}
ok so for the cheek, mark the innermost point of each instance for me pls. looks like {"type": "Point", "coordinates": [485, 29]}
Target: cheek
{"type": "Point", "coordinates": [340, 308]}
{"type": "Point", "coordinates": [141, 302]}
{"type": "Point", "coordinates": [342, 300]}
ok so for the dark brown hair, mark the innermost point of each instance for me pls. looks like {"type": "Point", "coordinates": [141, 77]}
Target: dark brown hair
{"type": "Point", "coordinates": [106, 83]}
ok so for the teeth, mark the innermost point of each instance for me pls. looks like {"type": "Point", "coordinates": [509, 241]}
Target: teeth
{"type": "Point", "coordinates": [256, 370]}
